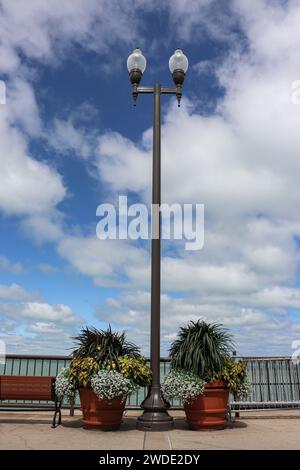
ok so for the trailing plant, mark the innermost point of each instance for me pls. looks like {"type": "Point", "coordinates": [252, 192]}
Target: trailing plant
{"type": "Point", "coordinates": [182, 385]}
{"type": "Point", "coordinates": [104, 345]}
{"type": "Point", "coordinates": [64, 387]}
{"type": "Point", "coordinates": [234, 373]}
{"type": "Point", "coordinates": [136, 370]}
{"type": "Point", "coordinates": [110, 384]}
{"type": "Point", "coordinates": [201, 348]}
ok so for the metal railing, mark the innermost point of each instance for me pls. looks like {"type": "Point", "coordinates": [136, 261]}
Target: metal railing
{"type": "Point", "coordinates": [275, 381]}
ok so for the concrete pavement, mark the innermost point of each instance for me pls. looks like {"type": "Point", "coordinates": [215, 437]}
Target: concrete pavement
{"type": "Point", "coordinates": [259, 430]}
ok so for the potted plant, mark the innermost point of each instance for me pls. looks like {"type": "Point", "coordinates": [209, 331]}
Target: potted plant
{"type": "Point", "coordinates": [203, 373]}
{"type": "Point", "coordinates": [105, 369]}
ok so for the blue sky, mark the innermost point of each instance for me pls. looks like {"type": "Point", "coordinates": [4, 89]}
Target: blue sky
{"type": "Point", "coordinates": [70, 139]}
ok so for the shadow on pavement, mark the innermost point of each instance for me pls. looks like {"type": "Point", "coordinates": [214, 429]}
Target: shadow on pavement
{"type": "Point", "coordinates": [128, 424]}
{"type": "Point", "coordinates": [181, 424]}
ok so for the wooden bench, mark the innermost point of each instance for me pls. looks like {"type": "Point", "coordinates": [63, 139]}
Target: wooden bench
{"type": "Point", "coordinates": [23, 387]}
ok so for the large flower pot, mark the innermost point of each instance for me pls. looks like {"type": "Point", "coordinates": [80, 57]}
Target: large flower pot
{"type": "Point", "coordinates": [209, 410]}
{"type": "Point", "coordinates": [100, 414]}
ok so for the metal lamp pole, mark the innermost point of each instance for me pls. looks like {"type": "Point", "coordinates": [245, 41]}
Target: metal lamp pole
{"type": "Point", "coordinates": [155, 416]}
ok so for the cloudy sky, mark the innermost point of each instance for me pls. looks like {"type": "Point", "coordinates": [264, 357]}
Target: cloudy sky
{"type": "Point", "coordinates": [70, 140]}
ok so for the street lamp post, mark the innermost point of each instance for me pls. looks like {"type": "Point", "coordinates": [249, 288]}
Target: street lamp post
{"type": "Point", "coordinates": [155, 416]}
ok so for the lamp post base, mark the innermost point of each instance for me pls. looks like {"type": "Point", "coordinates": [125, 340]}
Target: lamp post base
{"type": "Point", "coordinates": [155, 416]}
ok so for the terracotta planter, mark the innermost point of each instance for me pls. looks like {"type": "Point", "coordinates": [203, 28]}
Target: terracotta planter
{"type": "Point", "coordinates": [100, 414]}
{"type": "Point", "coordinates": [209, 410]}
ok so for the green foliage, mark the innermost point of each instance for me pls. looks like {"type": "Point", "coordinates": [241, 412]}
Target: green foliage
{"type": "Point", "coordinates": [110, 365]}
{"type": "Point", "coordinates": [81, 370]}
{"type": "Point", "coordinates": [105, 346]}
{"type": "Point", "coordinates": [182, 385]}
{"type": "Point", "coordinates": [201, 348]}
{"type": "Point", "coordinates": [234, 373]}
{"type": "Point", "coordinates": [136, 370]}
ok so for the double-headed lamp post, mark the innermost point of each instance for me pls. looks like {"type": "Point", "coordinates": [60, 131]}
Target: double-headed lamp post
{"type": "Point", "coordinates": [155, 416]}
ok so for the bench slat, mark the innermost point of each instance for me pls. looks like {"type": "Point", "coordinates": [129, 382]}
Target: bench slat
{"type": "Point", "coordinates": [26, 388]}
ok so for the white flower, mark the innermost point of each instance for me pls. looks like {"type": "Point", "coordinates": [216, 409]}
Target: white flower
{"type": "Point", "coordinates": [63, 386]}
{"type": "Point", "coordinates": [182, 385]}
{"type": "Point", "coordinates": [110, 384]}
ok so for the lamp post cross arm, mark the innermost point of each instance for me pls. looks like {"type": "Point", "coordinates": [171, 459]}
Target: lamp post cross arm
{"type": "Point", "coordinates": [136, 90]}
{"type": "Point", "coordinates": [163, 90]}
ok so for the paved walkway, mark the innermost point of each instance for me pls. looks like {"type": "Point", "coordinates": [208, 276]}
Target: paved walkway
{"type": "Point", "coordinates": [268, 430]}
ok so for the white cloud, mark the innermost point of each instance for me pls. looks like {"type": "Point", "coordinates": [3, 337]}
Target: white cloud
{"type": "Point", "coordinates": [197, 19]}
{"type": "Point", "coordinates": [30, 34]}
{"type": "Point", "coordinates": [65, 137]}
{"type": "Point", "coordinates": [48, 31]}
{"type": "Point", "coordinates": [37, 343]}
{"type": "Point", "coordinates": [22, 109]}
{"type": "Point", "coordinates": [74, 133]}
{"type": "Point", "coordinates": [241, 162]}
{"type": "Point", "coordinates": [278, 296]}
{"type": "Point", "coordinates": [27, 186]}
{"type": "Point", "coordinates": [46, 268]}
{"type": "Point", "coordinates": [29, 189]}
{"type": "Point", "coordinates": [15, 292]}
{"type": "Point", "coordinates": [255, 331]}
{"type": "Point", "coordinates": [10, 266]}
{"type": "Point", "coordinates": [59, 313]}
{"type": "Point", "coordinates": [205, 67]}
{"type": "Point", "coordinates": [227, 277]}
{"type": "Point", "coordinates": [122, 164]}
{"type": "Point", "coordinates": [106, 261]}
{"type": "Point", "coordinates": [42, 328]}
{"type": "Point", "coordinates": [45, 328]}
{"type": "Point", "coordinates": [45, 30]}
{"type": "Point", "coordinates": [44, 228]}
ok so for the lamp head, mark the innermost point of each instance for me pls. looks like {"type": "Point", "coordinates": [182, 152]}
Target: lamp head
{"type": "Point", "coordinates": [178, 65]}
{"type": "Point", "coordinates": [136, 65]}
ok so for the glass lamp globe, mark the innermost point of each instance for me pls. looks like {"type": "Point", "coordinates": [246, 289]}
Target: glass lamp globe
{"type": "Point", "coordinates": [178, 61]}
{"type": "Point", "coordinates": [136, 61]}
